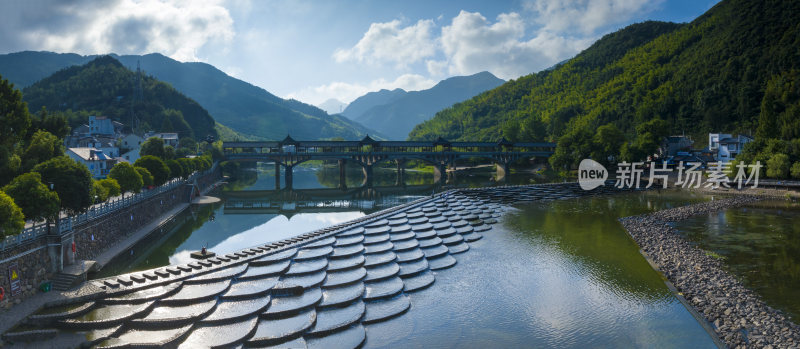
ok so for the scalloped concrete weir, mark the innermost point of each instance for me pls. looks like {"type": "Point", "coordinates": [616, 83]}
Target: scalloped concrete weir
{"type": "Point", "coordinates": [317, 290]}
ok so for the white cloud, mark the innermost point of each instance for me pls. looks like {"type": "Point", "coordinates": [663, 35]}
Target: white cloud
{"type": "Point", "coordinates": [472, 44]}
{"type": "Point", "coordinates": [388, 42]}
{"type": "Point", "coordinates": [347, 92]}
{"type": "Point", "coordinates": [174, 28]}
{"type": "Point", "coordinates": [586, 16]}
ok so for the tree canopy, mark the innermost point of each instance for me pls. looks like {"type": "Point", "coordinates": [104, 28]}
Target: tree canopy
{"type": "Point", "coordinates": [35, 199]}
{"type": "Point", "coordinates": [11, 218]}
{"type": "Point", "coordinates": [72, 181]}
{"type": "Point", "coordinates": [156, 167]}
{"type": "Point", "coordinates": [127, 177]}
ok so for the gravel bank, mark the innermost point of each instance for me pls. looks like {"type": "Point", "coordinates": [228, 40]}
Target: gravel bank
{"type": "Point", "coordinates": [739, 316]}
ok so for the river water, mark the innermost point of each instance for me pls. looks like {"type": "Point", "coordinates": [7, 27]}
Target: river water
{"type": "Point", "coordinates": [761, 247]}
{"type": "Point", "coordinates": [555, 274]}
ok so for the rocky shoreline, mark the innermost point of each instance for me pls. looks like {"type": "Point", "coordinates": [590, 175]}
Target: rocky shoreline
{"type": "Point", "coordinates": [737, 314]}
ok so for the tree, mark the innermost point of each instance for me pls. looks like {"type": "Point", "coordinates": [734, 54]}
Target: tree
{"type": "Point", "coordinates": [111, 185]}
{"type": "Point", "coordinates": [795, 171]}
{"type": "Point", "coordinates": [35, 199]}
{"type": "Point", "coordinates": [169, 152]}
{"type": "Point", "coordinates": [156, 167]}
{"type": "Point", "coordinates": [152, 146]}
{"type": "Point", "coordinates": [72, 181]}
{"type": "Point", "coordinates": [14, 116]}
{"type": "Point", "coordinates": [187, 143]}
{"type": "Point", "coordinates": [778, 166]}
{"type": "Point", "coordinates": [608, 141]}
{"type": "Point", "coordinates": [147, 178]}
{"type": "Point", "coordinates": [43, 146]}
{"type": "Point", "coordinates": [128, 179]}
{"type": "Point", "coordinates": [175, 169]}
{"type": "Point", "coordinates": [11, 218]}
{"type": "Point", "coordinates": [99, 192]}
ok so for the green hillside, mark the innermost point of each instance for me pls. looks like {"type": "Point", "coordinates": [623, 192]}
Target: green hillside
{"type": "Point", "coordinates": [245, 108]}
{"type": "Point", "coordinates": [105, 87]}
{"type": "Point", "coordinates": [707, 75]}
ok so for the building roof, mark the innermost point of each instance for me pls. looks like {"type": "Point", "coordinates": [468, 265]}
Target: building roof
{"type": "Point", "coordinates": [89, 154]}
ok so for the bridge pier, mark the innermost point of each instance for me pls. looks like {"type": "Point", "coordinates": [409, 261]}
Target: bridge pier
{"type": "Point", "coordinates": [502, 171]}
{"type": "Point", "coordinates": [440, 173]}
{"type": "Point", "coordinates": [342, 174]}
{"type": "Point", "coordinates": [401, 171]}
{"type": "Point", "coordinates": [277, 176]}
{"type": "Point", "coordinates": [368, 175]}
{"type": "Point", "coordinates": [288, 175]}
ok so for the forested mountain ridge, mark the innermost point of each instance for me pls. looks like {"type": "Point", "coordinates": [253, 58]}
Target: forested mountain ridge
{"type": "Point", "coordinates": [707, 75]}
{"type": "Point", "coordinates": [239, 105]}
{"type": "Point", "coordinates": [106, 87]}
{"type": "Point", "coordinates": [395, 113]}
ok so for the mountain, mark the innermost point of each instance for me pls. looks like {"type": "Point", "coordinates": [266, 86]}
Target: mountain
{"type": "Point", "coordinates": [361, 104]}
{"type": "Point", "coordinates": [400, 112]}
{"type": "Point", "coordinates": [707, 75]}
{"type": "Point", "coordinates": [332, 106]}
{"type": "Point", "coordinates": [105, 86]}
{"type": "Point", "coordinates": [237, 104]}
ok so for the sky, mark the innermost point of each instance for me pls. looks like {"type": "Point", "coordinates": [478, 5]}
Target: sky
{"type": "Point", "coordinates": [315, 50]}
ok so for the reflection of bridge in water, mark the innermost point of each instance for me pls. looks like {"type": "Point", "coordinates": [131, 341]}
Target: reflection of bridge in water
{"type": "Point", "coordinates": [292, 201]}
{"type": "Point", "coordinates": [369, 152]}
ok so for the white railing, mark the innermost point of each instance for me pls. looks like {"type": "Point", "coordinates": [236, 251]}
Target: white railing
{"type": "Point", "coordinates": [66, 224]}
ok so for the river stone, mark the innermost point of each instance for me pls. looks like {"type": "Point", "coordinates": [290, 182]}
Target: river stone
{"type": "Point", "coordinates": [430, 242]}
{"type": "Point", "coordinates": [220, 275]}
{"type": "Point", "coordinates": [164, 315]}
{"type": "Point", "coordinates": [416, 221]}
{"type": "Point", "coordinates": [322, 243]}
{"type": "Point", "coordinates": [425, 234]}
{"type": "Point", "coordinates": [398, 222]}
{"type": "Point", "coordinates": [400, 228]}
{"type": "Point", "coordinates": [458, 248]}
{"type": "Point", "coordinates": [351, 232]}
{"type": "Point", "coordinates": [106, 316]}
{"type": "Point", "coordinates": [378, 230]}
{"type": "Point", "coordinates": [378, 223]}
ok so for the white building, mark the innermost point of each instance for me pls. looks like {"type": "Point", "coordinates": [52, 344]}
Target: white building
{"type": "Point", "coordinates": [131, 141]}
{"type": "Point", "coordinates": [725, 147]}
{"type": "Point", "coordinates": [130, 156]}
{"type": "Point", "coordinates": [100, 125]}
{"type": "Point", "coordinates": [98, 163]}
{"type": "Point", "coordinates": [170, 138]}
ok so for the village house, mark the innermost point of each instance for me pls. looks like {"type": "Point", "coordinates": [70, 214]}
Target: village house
{"type": "Point", "coordinates": [98, 163]}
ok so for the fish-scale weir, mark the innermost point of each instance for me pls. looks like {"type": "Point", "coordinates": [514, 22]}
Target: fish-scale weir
{"type": "Point", "coordinates": [312, 290]}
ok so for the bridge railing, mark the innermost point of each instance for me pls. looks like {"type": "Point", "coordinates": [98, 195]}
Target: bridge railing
{"type": "Point", "coordinates": [65, 224]}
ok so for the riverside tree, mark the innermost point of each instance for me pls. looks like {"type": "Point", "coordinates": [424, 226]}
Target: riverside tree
{"type": "Point", "coordinates": [11, 218]}
{"type": "Point", "coordinates": [155, 166]}
{"type": "Point", "coordinates": [147, 178]}
{"type": "Point", "coordinates": [33, 197]}
{"type": "Point", "coordinates": [71, 180]}
{"type": "Point", "coordinates": [127, 177]}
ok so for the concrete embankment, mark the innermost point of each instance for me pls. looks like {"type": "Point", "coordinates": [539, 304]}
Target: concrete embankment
{"type": "Point", "coordinates": [737, 314]}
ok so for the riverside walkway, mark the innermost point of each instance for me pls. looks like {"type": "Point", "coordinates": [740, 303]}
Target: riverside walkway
{"type": "Point", "coordinates": [368, 152]}
{"type": "Point", "coordinates": [316, 290]}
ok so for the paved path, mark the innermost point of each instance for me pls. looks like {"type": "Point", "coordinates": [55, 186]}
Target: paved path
{"type": "Point", "coordinates": [11, 317]}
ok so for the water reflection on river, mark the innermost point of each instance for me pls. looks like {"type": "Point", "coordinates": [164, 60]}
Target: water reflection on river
{"type": "Point", "coordinates": [557, 274]}
{"type": "Point", "coordinates": [761, 246]}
